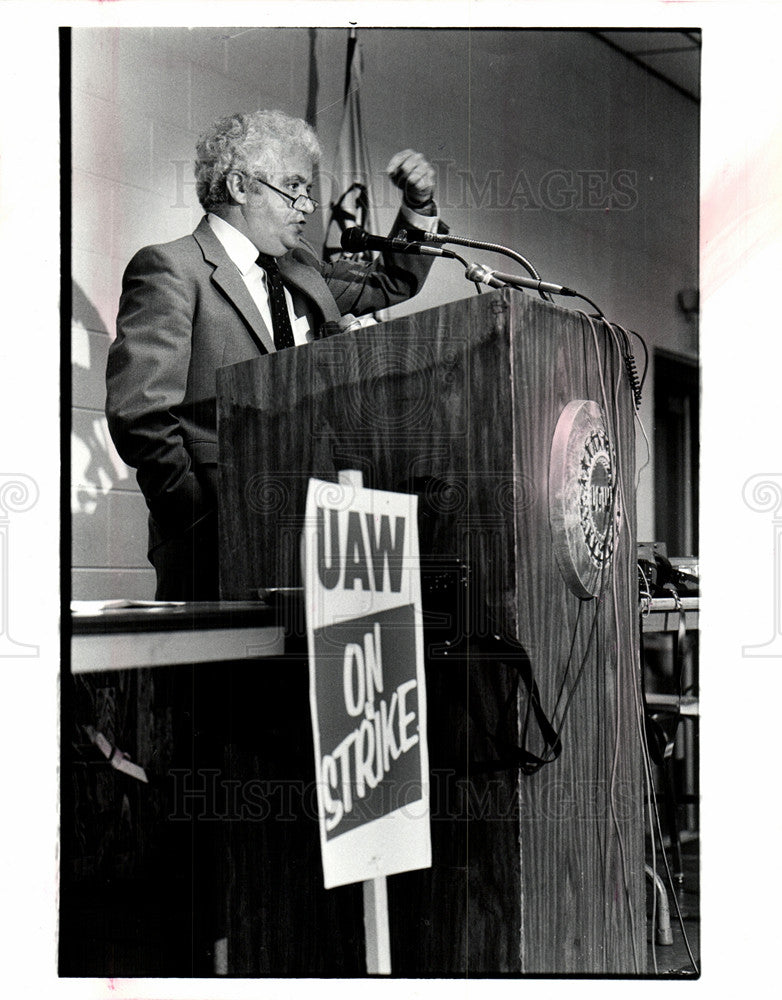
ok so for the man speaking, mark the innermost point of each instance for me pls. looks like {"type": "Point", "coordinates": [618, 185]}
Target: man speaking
{"type": "Point", "coordinates": [244, 283]}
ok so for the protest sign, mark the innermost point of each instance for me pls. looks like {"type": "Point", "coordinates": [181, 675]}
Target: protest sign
{"type": "Point", "coordinates": [367, 691]}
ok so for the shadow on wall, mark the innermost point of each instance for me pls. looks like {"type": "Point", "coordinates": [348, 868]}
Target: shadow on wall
{"type": "Point", "coordinates": [108, 513]}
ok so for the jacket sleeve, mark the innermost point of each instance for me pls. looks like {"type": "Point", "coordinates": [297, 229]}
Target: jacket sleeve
{"type": "Point", "coordinates": [146, 381]}
{"type": "Point", "coordinates": [360, 288]}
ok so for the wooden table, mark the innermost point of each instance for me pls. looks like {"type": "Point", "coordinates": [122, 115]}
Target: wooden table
{"type": "Point", "coordinates": [189, 845]}
{"type": "Point", "coordinates": [121, 636]}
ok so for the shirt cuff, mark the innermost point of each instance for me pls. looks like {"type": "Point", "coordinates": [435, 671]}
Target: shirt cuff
{"type": "Point", "coordinates": [427, 223]}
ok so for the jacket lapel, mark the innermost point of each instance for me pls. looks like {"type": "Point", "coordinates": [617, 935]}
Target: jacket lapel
{"type": "Point", "coordinates": [309, 281]}
{"type": "Point", "coordinates": [227, 277]}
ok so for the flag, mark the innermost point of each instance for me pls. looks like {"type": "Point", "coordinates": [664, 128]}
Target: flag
{"type": "Point", "coordinates": [350, 201]}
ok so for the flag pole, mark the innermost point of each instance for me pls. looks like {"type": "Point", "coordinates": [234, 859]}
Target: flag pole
{"type": "Point", "coordinates": [311, 114]}
{"type": "Point", "coordinates": [350, 198]}
{"type": "Point", "coordinates": [352, 39]}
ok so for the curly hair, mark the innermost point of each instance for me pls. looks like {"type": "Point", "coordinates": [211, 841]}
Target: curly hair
{"type": "Point", "coordinates": [247, 142]}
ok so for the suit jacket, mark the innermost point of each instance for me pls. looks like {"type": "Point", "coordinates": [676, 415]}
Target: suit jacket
{"type": "Point", "coordinates": [185, 312]}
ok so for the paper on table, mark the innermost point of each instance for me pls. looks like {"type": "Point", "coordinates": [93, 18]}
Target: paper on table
{"type": "Point", "coordinates": [93, 607]}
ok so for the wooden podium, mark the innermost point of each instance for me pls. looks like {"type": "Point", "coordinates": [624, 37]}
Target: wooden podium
{"type": "Point", "coordinates": [477, 405]}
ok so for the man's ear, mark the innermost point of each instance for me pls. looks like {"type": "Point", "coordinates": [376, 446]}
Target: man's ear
{"type": "Point", "coordinates": [236, 186]}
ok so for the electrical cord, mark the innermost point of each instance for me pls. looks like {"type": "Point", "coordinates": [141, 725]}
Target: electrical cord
{"type": "Point", "coordinates": [601, 589]}
{"type": "Point", "coordinates": [629, 359]}
{"type": "Point", "coordinates": [594, 305]}
{"type": "Point", "coordinates": [612, 422]}
{"type": "Point", "coordinates": [645, 350]}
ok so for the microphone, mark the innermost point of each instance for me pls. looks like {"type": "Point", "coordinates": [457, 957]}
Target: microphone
{"type": "Point", "coordinates": [497, 279]}
{"type": "Point", "coordinates": [356, 239]}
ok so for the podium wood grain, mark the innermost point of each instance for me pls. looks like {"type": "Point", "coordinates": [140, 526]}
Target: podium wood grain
{"type": "Point", "coordinates": [535, 874]}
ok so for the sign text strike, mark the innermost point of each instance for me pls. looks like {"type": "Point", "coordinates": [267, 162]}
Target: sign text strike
{"type": "Point", "coordinates": [387, 730]}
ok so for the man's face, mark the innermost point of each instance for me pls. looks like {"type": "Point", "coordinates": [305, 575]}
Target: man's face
{"type": "Point", "coordinates": [273, 225]}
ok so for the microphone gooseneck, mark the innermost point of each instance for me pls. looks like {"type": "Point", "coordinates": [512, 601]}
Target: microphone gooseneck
{"type": "Point", "coordinates": [483, 245]}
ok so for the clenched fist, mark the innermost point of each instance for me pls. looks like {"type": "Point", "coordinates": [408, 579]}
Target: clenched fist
{"type": "Point", "coordinates": [414, 176]}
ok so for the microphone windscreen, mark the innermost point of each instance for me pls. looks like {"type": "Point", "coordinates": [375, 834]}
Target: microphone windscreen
{"type": "Point", "coordinates": [353, 239]}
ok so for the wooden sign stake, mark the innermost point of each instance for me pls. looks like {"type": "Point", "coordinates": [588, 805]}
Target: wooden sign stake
{"type": "Point", "coordinates": [376, 937]}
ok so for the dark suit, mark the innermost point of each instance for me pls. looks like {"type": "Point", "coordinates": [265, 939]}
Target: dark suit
{"type": "Point", "coordinates": [185, 311]}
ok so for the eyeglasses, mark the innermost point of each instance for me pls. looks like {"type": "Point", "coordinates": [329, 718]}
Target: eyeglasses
{"type": "Point", "coordinates": [301, 202]}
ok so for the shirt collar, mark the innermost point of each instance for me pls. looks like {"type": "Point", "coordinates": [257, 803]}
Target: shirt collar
{"type": "Point", "coordinates": [241, 250]}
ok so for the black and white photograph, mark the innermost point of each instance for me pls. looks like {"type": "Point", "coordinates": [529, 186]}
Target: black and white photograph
{"type": "Point", "coordinates": [441, 228]}
{"type": "Point", "coordinates": [413, 375]}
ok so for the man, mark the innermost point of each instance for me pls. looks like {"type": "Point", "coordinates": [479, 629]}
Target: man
{"type": "Point", "coordinates": [245, 283]}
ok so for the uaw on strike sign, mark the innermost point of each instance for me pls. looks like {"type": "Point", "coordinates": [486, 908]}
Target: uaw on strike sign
{"type": "Point", "coordinates": [367, 694]}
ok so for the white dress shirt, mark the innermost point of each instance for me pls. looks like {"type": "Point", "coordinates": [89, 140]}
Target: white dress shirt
{"type": "Point", "coordinates": [245, 255]}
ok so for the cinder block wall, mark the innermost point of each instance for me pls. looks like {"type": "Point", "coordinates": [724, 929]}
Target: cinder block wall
{"type": "Point", "coordinates": [140, 99]}
{"type": "Point", "coordinates": [548, 142]}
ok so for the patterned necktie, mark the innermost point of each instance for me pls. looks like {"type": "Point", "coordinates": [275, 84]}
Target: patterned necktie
{"type": "Point", "coordinates": [281, 321]}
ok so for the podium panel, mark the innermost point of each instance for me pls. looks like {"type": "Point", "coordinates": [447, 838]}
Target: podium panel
{"type": "Point", "coordinates": [492, 409]}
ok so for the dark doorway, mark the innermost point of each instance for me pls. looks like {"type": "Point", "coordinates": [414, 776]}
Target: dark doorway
{"type": "Point", "coordinates": [676, 453]}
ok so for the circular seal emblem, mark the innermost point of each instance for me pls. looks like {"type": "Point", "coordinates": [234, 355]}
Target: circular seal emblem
{"type": "Point", "coordinates": [583, 501]}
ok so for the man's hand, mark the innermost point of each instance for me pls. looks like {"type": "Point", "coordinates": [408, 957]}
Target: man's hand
{"type": "Point", "coordinates": [414, 176]}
